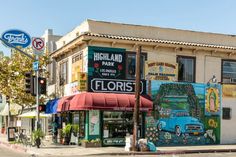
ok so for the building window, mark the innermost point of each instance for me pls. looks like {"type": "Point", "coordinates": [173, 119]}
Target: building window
{"type": "Point", "coordinates": [186, 71]}
{"type": "Point", "coordinates": [0, 98]}
{"type": "Point", "coordinates": [228, 71]}
{"type": "Point", "coordinates": [63, 73]}
{"type": "Point", "coordinates": [77, 66]}
{"type": "Point", "coordinates": [131, 64]}
{"type": "Point", "coordinates": [226, 113]}
{"type": "Point", "coordinates": [52, 72]}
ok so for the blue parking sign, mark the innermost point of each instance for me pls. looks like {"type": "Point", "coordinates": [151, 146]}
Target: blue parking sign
{"type": "Point", "coordinates": [35, 65]}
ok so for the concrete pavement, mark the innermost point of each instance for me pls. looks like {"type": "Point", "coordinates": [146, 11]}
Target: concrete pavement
{"type": "Point", "coordinates": [49, 149]}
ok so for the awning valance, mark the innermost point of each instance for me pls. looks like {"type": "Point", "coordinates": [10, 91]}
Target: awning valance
{"type": "Point", "coordinates": [51, 106]}
{"type": "Point", "coordinates": [104, 101]}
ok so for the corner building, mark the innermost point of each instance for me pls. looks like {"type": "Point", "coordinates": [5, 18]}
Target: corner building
{"type": "Point", "coordinates": [190, 77]}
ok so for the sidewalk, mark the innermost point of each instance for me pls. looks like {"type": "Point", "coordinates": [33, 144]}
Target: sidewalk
{"type": "Point", "coordinates": [64, 150]}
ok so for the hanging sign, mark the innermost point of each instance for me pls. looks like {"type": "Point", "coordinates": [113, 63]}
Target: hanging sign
{"type": "Point", "coordinates": [16, 38]}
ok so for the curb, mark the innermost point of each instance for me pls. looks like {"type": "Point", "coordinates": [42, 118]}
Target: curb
{"type": "Point", "coordinates": [169, 152]}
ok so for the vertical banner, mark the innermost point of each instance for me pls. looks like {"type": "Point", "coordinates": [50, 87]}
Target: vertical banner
{"type": "Point", "coordinates": [94, 122]}
{"type": "Point", "coordinates": [212, 99]}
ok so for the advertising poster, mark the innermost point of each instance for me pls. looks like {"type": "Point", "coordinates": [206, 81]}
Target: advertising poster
{"type": "Point", "coordinates": [94, 123]}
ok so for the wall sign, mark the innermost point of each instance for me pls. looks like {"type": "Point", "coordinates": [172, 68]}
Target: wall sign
{"type": "Point", "coordinates": [16, 38]}
{"type": "Point", "coordinates": [161, 71]}
{"type": "Point", "coordinates": [106, 62]}
{"type": "Point", "coordinates": [114, 141]}
{"type": "Point", "coordinates": [114, 86]}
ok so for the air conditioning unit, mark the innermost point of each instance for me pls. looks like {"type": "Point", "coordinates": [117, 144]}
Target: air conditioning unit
{"type": "Point", "coordinates": [227, 80]}
{"type": "Point", "coordinates": [233, 80]}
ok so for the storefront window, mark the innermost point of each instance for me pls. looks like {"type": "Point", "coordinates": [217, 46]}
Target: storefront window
{"type": "Point", "coordinates": [116, 125]}
{"type": "Point", "coordinates": [131, 64]}
{"type": "Point", "coordinates": [79, 119]}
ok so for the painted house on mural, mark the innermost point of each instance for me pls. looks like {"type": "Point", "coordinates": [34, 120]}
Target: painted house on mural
{"type": "Point", "coordinates": [189, 75]}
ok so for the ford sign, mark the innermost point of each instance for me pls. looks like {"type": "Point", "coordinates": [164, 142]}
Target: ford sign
{"type": "Point", "coordinates": [16, 38]}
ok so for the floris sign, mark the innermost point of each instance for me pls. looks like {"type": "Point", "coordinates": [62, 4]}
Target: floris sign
{"type": "Point", "coordinates": [106, 63]}
{"type": "Point", "coordinates": [114, 86]}
{"type": "Point", "coordinates": [16, 38]}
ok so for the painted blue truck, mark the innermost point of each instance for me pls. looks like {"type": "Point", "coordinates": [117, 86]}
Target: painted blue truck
{"type": "Point", "coordinates": [180, 122]}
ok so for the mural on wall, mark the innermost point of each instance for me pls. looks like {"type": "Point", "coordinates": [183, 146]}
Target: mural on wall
{"type": "Point", "coordinates": [180, 113]}
{"type": "Point", "coordinates": [212, 106]}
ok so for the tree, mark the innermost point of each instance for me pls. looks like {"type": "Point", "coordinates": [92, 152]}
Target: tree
{"type": "Point", "coordinates": [12, 77]}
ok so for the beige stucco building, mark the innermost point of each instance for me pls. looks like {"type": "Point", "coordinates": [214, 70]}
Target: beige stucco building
{"type": "Point", "coordinates": [204, 55]}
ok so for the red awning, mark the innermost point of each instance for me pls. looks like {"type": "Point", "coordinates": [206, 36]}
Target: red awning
{"type": "Point", "coordinates": [64, 103]}
{"type": "Point", "coordinates": [107, 101]}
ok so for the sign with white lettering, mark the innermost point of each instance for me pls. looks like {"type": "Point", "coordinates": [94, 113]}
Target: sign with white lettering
{"type": "Point", "coordinates": [106, 63]}
{"type": "Point", "coordinates": [114, 86]}
{"type": "Point", "coordinates": [16, 38]}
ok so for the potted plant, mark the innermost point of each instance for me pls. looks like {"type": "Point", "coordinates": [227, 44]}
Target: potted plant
{"type": "Point", "coordinates": [37, 135]}
{"type": "Point", "coordinates": [91, 143]}
{"type": "Point", "coordinates": [66, 133]}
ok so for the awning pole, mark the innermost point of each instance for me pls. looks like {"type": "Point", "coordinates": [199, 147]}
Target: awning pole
{"type": "Point", "coordinates": [137, 101]}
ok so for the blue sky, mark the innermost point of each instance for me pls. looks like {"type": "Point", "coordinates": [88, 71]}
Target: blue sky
{"type": "Point", "coordinates": [34, 17]}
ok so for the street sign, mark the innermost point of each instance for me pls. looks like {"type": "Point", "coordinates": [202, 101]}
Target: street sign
{"type": "Point", "coordinates": [15, 38]}
{"type": "Point", "coordinates": [38, 45]}
{"type": "Point", "coordinates": [36, 65]}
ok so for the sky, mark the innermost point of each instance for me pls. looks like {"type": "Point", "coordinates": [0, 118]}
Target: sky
{"type": "Point", "coordinates": [34, 17]}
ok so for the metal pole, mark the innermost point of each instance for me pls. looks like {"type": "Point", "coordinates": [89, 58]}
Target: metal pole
{"type": "Point", "coordinates": [37, 97]}
{"type": "Point", "coordinates": [137, 101]}
{"type": "Point", "coordinates": [26, 54]}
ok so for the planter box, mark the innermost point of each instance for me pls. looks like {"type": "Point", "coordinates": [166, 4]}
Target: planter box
{"type": "Point", "coordinates": [90, 144]}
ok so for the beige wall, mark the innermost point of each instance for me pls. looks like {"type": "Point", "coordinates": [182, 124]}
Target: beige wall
{"type": "Point", "coordinates": [228, 135]}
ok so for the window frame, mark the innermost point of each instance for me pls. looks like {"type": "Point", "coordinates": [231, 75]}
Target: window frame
{"type": "Point", "coordinates": [222, 61]}
{"type": "Point", "coordinates": [194, 67]}
{"type": "Point", "coordinates": [142, 66]}
{"type": "Point", "coordinates": [230, 113]}
{"type": "Point", "coordinates": [66, 73]}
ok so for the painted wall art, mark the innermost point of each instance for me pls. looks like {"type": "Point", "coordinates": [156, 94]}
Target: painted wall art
{"type": "Point", "coordinates": [186, 113]}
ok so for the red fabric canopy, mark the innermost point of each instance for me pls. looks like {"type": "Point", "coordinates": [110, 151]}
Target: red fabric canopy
{"type": "Point", "coordinates": [64, 103]}
{"type": "Point", "coordinates": [104, 101]}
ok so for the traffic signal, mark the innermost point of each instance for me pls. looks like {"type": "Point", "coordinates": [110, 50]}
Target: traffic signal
{"type": "Point", "coordinates": [42, 108]}
{"type": "Point", "coordinates": [29, 83]}
{"type": "Point", "coordinates": [42, 85]}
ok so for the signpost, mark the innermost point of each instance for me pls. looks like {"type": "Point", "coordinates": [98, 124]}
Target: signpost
{"type": "Point", "coordinates": [38, 46]}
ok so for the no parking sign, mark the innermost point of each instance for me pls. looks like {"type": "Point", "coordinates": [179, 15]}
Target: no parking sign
{"type": "Point", "coordinates": [38, 45]}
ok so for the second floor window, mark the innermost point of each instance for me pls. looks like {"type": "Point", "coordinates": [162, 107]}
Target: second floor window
{"type": "Point", "coordinates": [63, 73]}
{"type": "Point", "coordinates": [186, 69]}
{"type": "Point", "coordinates": [228, 71]}
{"type": "Point", "coordinates": [131, 64]}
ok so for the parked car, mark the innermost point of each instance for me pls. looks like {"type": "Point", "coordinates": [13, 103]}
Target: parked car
{"type": "Point", "coordinates": [180, 122]}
